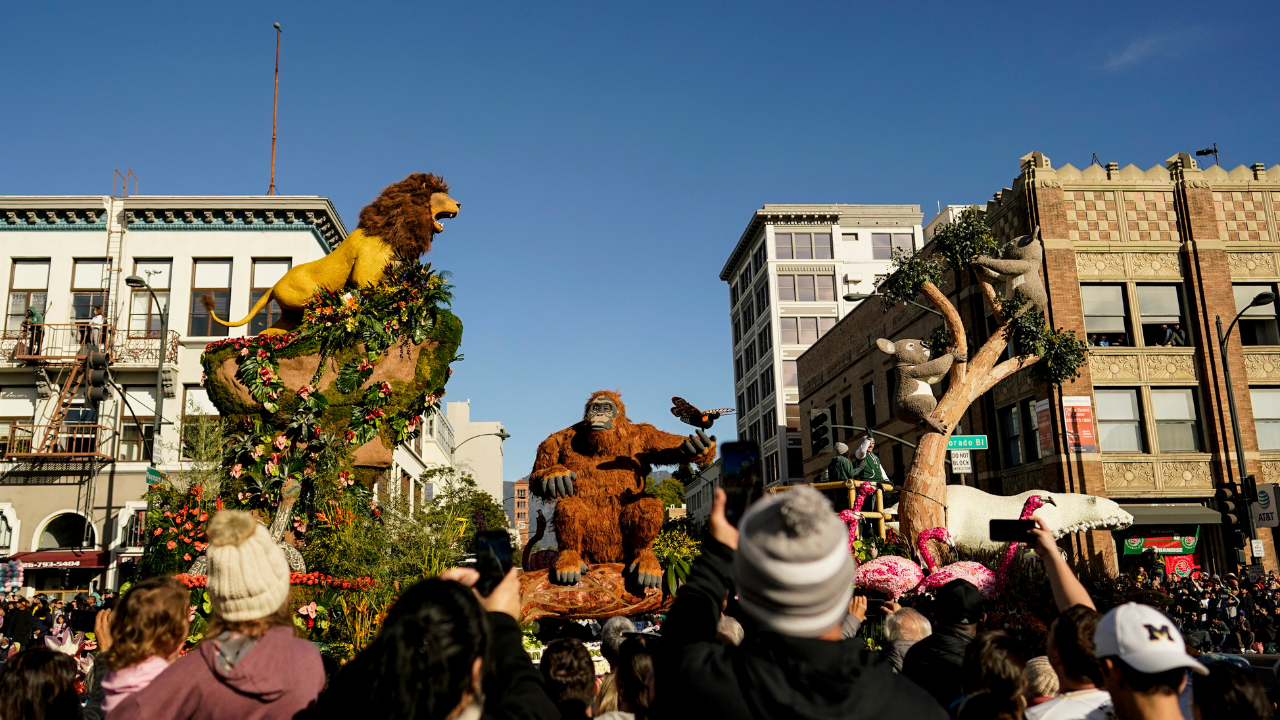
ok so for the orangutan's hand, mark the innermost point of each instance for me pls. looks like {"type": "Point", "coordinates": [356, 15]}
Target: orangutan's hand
{"type": "Point", "coordinates": [698, 444]}
{"type": "Point", "coordinates": [559, 485]}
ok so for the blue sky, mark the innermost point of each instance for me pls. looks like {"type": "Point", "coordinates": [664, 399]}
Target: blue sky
{"type": "Point", "coordinates": [608, 155]}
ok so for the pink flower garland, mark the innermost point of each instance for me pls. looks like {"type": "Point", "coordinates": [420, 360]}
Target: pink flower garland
{"type": "Point", "coordinates": [851, 517]}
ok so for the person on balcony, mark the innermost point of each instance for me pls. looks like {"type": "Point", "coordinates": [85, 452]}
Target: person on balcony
{"type": "Point", "coordinates": [96, 326]}
{"type": "Point", "coordinates": [34, 327]}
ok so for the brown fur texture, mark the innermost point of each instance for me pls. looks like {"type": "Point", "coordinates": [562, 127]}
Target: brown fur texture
{"type": "Point", "coordinates": [401, 215]}
{"type": "Point", "coordinates": [608, 519]}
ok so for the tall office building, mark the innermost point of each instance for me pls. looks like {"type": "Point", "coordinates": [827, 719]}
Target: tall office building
{"type": "Point", "coordinates": [788, 277]}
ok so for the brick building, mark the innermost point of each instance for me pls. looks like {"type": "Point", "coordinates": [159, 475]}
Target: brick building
{"type": "Point", "coordinates": [1140, 263]}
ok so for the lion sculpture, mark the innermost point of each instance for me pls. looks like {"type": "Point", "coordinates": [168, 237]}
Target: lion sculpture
{"type": "Point", "coordinates": [595, 472]}
{"type": "Point", "coordinates": [400, 223]}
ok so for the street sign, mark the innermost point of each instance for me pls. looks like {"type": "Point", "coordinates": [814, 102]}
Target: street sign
{"type": "Point", "coordinates": [1264, 511]}
{"type": "Point", "coordinates": [961, 462]}
{"type": "Point", "coordinates": [1257, 548]}
{"type": "Point", "coordinates": [155, 477]}
{"type": "Point", "coordinates": [967, 442]}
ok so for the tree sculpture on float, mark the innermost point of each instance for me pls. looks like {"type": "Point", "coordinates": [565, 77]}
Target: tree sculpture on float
{"type": "Point", "coordinates": [595, 472]}
{"type": "Point", "coordinates": [1054, 355]}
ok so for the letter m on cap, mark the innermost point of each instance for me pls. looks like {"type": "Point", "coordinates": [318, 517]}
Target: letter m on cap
{"type": "Point", "coordinates": [1155, 633]}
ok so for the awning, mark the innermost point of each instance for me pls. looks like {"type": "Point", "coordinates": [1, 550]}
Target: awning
{"type": "Point", "coordinates": [1185, 514]}
{"type": "Point", "coordinates": [51, 559]}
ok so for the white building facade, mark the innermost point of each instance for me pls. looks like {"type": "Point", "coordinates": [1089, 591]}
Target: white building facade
{"type": "Point", "coordinates": [72, 472]}
{"type": "Point", "coordinates": [788, 277]}
{"type": "Point", "coordinates": [478, 448]}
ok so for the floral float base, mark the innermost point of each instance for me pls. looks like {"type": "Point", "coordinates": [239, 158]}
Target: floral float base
{"type": "Point", "coordinates": [602, 593]}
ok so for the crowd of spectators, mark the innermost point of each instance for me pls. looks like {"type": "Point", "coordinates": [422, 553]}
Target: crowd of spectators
{"type": "Point", "coordinates": [767, 625]}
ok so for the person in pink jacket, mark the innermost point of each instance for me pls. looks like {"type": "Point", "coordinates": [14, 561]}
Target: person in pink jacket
{"type": "Point", "coordinates": [141, 637]}
{"type": "Point", "coordinates": [250, 666]}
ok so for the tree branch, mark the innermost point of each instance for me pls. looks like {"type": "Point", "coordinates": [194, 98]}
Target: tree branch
{"type": "Point", "coordinates": [992, 302]}
{"type": "Point", "coordinates": [1000, 372]}
{"type": "Point", "coordinates": [959, 341]}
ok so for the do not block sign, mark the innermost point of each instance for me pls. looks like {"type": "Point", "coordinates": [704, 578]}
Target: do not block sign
{"type": "Point", "coordinates": [961, 462]}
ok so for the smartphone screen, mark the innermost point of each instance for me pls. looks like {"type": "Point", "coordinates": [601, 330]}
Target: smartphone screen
{"type": "Point", "coordinates": [493, 559]}
{"type": "Point", "coordinates": [1011, 530]}
{"type": "Point", "coordinates": [740, 477]}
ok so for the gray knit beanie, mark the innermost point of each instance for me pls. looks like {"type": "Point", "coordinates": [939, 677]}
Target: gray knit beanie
{"type": "Point", "coordinates": [793, 569]}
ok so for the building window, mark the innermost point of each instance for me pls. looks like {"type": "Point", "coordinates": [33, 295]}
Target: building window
{"type": "Point", "coordinates": [869, 402]}
{"type": "Point", "coordinates": [790, 376]}
{"type": "Point", "coordinates": [742, 404]}
{"type": "Point", "coordinates": [88, 290]}
{"type": "Point", "coordinates": [764, 341]}
{"type": "Point", "coordinates": [846, 415]}
{"type": "Point", "coordinates": [737, 330]}
{"type": "Point", "coordinates": [1105, 320]}
{"type": "Point", "coordinates": [210, 285]}
{"type": "Point", "coordinates": [737, 368]}
{"type": "Point", "coordinates": [748, 317]}
{"type": "Point", "coordinates": [760, 257]}
{"type": "Point", "coordinates": [771, 468]}
{"type": "Point", "coordinates": [195, 405]}
{"type": "Point", "coordinates": [1266, 416]}
{"type": "Point", "coordinates": [1018, 441]}
{"type": "Point", "coordinates": [749, 357]}
{"type": "Point", "coordinates": [28, 287]}
{"type": "Point", "coordinates": [135, 446]}
{"type": "Point", "coordinates": [1160, 310]}
{"type": "Point", "coordinates": [766, 381]}
{"type": "Point", "coordinates": [1258, 325]}
{"type": "Point", "coordinates": [762, 299]}
{"type": "Point", "coordinates": [769, 424]}
{"type": "Point", "coordinates": [144, 313]}
{"type": "Point", "coordinates": [805, 330]}
{"type": "Point", "coordinates": [803, 246]}
{"type": "Point", "coordinates": [795, 462]}
{"type": "Point", "coordinates": [1177, 419]}
{"type": "Point", "coordinates": [753, 395]}
{"type": "Point", "coordinates": [806, 288]}
{"type": "Point", "coordinates": [266, 273]}
{"type": "Point", "coordinates": [1119, 421]}
{"type": "Point", "coordinates": [883, 245]}
{"type": "Point", "coordinates": [17, 407]}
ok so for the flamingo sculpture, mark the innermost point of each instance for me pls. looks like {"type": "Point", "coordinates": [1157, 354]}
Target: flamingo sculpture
{"type": "Point", "coordinates": [894, 575]}
{"type": "Point", "coordinates": [987, 582]}
{"type": "Point", "coordinates": [851, 517]}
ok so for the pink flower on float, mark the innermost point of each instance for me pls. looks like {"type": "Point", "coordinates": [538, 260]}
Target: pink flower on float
{"type": "Point", "coordinates": [305, 391]}
{"type": "Point", "coordinates": [308, 610]}
{"type": "Point", "coordinates": [281, 442]}
{"type": "Point", "coordinates": [385, 389]}
{"type": "Point", "coordinates": [351, 435]}
{"type": "Point", "coordinates": [236, 470]}
{"type": "Point", "coordinates": [256, 452]}
{"type": "Point", "coordinates": [244, 352]}
{"type": "Point", "coordinates": [262, 353]}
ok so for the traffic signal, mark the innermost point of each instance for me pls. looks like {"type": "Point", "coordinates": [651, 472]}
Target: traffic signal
{"type": "Point", "coordinates": [1234, 507]}
{"type": "Point", "coordinates": [819, 431]}
{"type": "Point", "coordinates": [96, 364]}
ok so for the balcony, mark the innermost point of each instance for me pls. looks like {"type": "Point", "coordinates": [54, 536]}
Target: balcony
{"type": "Point", "coordinates": [57, 343]}
{"type": "Point", "coordinates": [142, 347]}
{"type": "Point", "coordinates": [68, 441]}
{"type": "Point", "coordinates": [51, 343]}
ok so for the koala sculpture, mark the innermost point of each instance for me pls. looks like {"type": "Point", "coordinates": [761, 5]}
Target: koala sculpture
{"type": "Point", "coordinates": [1019, 268]}
{"type": "Point", "coordinates": [913, 397]}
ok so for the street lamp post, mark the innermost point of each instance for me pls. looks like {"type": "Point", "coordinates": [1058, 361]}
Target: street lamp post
{"type": "Point", "coordinates": [1263, 298]}
{"type": "Point", "coordinates": [501, 434]}
{"type": "Point", "coordinates": [135, 281]}
{"type": "Point", "coordinates": [853, 297]}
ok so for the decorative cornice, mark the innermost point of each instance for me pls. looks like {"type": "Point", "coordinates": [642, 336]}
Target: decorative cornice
{"type": "Point", "coordinates": [78, 218]}
{"type": "Point", "coordinates": [317, 222]}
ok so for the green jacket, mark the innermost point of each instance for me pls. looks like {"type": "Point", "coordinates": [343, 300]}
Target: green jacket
{"type": "Point", "coordinates": [869, 469]}
{"type": "Point", "coordinates": [840, 469]}
{"type": "Point", "coordinates": [37, 318]}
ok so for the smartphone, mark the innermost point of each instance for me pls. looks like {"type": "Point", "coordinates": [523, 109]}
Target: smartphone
{"type": "Point", "coordinates": [1011, 530]}
{"type": "Point", "coordinates": [82, 620]}
{"type": "Point", "coordinates": [740, 478]}
{"type": "Point", "coordinates": [493, 559]}
{"type": "Point", "coordinates": [873, 608]}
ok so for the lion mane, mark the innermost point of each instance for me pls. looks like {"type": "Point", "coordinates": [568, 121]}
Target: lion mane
{"type": "Point", "coordinates": [401, 215]}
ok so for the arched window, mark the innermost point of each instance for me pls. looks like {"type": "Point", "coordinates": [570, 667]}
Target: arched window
{"type": "Point", "coordinates": [6, 533]}
{"type": "Point", "coordinates": [68, 530]}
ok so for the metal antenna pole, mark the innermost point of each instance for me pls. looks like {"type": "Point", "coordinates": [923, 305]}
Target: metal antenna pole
{"type": "Point", "coordinates": [275, 106]}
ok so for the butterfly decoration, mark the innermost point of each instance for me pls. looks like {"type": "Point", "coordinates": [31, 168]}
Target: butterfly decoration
{"type": "Point", "coordinates": [691, 415]}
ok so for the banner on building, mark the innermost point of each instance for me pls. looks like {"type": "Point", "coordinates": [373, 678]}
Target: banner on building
{"type": "Point", "coordinates": [1163, 545]}
{"type": "Point", "coordinates": [1077, 416]}
{"type": "Point", "coordinates": [1044, 427]}
{"type": "Point", "coordinates": [1264, 511]}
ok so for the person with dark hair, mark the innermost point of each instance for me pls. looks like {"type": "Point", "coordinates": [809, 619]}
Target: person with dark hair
{"type": "Point", "coordinates": [20, 622]}
{"type": "Point", "coordinates": [789, 562]}
{"type": "Point", "coordinates": [428, 661]}
{"type": "Point", "coordinates": [570, 677]}
{"type": "Point", "coordinates": [635, 680]}
{"type": "Point", "coordinates": [39, 684]}
{"type": "Point", "coordinates": [1080, 675]}
{"type": "Point", "coordinates": [1229, 693]}
{"type": "Point", "coordinates": [934, 663]}
{"type": "Point", "coordinates": [1145, 662]}
{"type": "Point", "coordinates": [250, 666]}
{"type": "Point", "coordinates": [611, 637]}
{"type": "Point", "coordinates": [994, 665]}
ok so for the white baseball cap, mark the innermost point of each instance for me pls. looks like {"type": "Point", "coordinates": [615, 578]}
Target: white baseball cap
{"type": "Point", "coordinates": [1145, 638]}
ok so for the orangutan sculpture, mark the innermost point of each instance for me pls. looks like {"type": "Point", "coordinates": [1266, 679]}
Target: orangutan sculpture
{"type": "Point", "coordinates": [401, 222]}
{"type": "Point", "coordinates": [595, 471]}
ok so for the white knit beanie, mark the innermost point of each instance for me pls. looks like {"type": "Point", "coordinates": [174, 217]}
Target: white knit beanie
{"type": "Point", "coordinates": [248, 573]}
